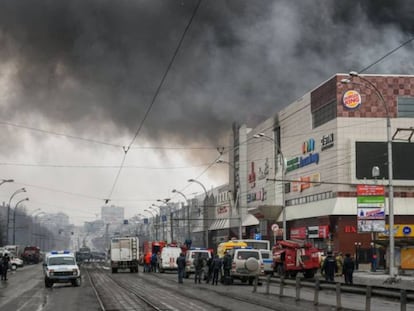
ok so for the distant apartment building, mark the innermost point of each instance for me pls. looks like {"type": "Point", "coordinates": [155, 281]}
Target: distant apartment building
{"type": "Point", "coordinates": [112, 214]}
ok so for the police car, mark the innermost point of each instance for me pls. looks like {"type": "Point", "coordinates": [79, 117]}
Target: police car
{"type": "Point", "coordinates": [61, 267]}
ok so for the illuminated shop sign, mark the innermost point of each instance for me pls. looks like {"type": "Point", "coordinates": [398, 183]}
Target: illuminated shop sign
{"type": "Point", "coordinates": [351, 100]}
{"type": "Point", "coordinates": [298, 162]}
{"type": "Point", "coordinates": [327, 141]}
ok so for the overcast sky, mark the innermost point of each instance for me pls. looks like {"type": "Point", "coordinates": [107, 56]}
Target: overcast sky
{"type": "Point", "coordinates": [77, 79]}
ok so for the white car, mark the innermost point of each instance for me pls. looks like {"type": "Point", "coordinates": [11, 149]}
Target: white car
{"type": "Point", "coordinates": [61, 267]}
{"type": "Point", "coordinates": [247, 264]}
{"type": "Point", "coordinates": [16, 262]}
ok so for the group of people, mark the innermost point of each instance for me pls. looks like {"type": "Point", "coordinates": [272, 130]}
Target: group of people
{"type": "Point", "coordinates": [4, 266]}
{"type": "Point", "coordinates": [151, 262]}
{"type": "Point", "coordinates": [214, 265]}
{"type": "Point", "coordinates": [332, 266]}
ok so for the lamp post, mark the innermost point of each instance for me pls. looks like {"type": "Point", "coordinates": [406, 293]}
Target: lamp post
{"type": "Point", "coordinates": [14, 219]}
{"type": "Point", "coordinates": [2, 181]}
{"type": "Point", "coordinates": [155, 226]}
{"type": "Point", "coordinates": [188, 240]}
{"type": "Point", "coordinates": [357, 247]}
{"type": "Point", "coordinates": [204, 209]}
{"type": "Point", "coordinates": [393, 272]}
{"type": "Point", "coordinates": [262, 135]}
{"type": "Point", "coordinates": [8, 211]}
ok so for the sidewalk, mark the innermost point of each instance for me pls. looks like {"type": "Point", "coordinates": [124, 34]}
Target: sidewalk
{"type": "Point", "coordinates": [380, 278]}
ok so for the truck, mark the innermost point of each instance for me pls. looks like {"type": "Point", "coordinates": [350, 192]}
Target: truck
{"type": "Point", "coordinates": [293, 256]}
{"type": "Point", "coordinates": [31, 255]}
{"type": "Point", "coordinates": [124, 254]}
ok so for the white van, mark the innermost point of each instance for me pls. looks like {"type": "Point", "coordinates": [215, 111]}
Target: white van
{"type": "Point", "coordinates": [169, 255]}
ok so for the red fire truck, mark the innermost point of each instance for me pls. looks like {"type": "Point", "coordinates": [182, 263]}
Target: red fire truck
{"type": "Point", "coordinates": [293, 256]}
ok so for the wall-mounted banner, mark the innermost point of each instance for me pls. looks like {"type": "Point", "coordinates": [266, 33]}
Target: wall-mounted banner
{"type": "Point", "coordinates": [370, 208]}
{"type": "Point", "coordinates": [371, 226]}
{"type": "Point", "coordinates": [327, 141]}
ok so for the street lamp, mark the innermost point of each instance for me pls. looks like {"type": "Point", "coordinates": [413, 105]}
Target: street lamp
{"type": "Point", "coordinates": [393, 272]}
{"type": "Point", "coordinates": [8, 211]}
{"type": "Point", "coordinates": [204, 209]}
{"type": "Point", "coordinates": [154, 215]}
{"type": "Point", "coordinates": [14, 219]}
{"type": "Point", "coordinates": [188, 215]}
{"type": "Point", "coordinates": [2, 181]}
{"type": "Point", "coordinates": [357, 247]}
{"type": "Point", "coordinates": [262, 135]}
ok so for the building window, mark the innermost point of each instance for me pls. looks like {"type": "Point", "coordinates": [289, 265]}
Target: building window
{"type": "Point", "coordinates": [324, 114]}
{"type": "Point", "coordinates": [405, 107]}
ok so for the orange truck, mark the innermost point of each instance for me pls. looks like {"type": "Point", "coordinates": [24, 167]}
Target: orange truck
{"type": "Point", "coordinates": [293, 256]}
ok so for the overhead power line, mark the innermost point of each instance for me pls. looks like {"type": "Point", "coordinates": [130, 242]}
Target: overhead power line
{"type": "Point", "coordinates": [157, 91]}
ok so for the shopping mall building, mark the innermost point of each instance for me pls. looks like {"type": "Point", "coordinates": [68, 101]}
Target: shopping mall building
{"type": "Point", "coordinates": [303, 165]}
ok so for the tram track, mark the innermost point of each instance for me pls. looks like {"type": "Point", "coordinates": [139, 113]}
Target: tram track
{"type": "Point", "coordinates": [164, 293]}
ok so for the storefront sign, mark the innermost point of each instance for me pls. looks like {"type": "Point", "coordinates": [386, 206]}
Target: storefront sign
{"type": "Point", "coordinates": [222, 210]}
{"type": "Point", "coordinates": [305, 182]}
{"type": "Point", "coordinates": [311, 232]}
{"type": "Point", "coordinates": [327, 141]}
{"type": "Point", "coordinates": [298, 233]}
{"type": "Point", "coordinates": [256, 196]}
{"type": "Point", "coordinates": [400, 231]}
{"type": "Point", "coordinates": [351, 100]}
{"type": "Point", "coordinates": [307, 148]}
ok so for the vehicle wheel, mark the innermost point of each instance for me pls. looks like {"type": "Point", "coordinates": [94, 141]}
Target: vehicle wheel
{"type": "Point", "coordinates": [186, 275]}
{"type": "Point", "coordinates": [251, 280]}
{"type": "Point", "coordinates": [293, 274]}
{"type": "Point", "coordinates": [76, 282]}
{"type": "Point", "coordinates": [13, 267]}
{"type": "Point", "coordinates": [161, 270]}
{"type": "Point", "coordinates": [309, 274]}
{"type": "Point", "coordinates": [251, 264]}
{"type": "Point", "coordinates": [48, 283]}
{"type": "Point", "coordinates": [114, 270]}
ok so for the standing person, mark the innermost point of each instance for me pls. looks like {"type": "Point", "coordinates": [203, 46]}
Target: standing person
{"type": "Point", "coordinates": [5, 266]}
{"type": "Point", "coordinates": [348, 269]}
{"type": "Point", "coordinates": [216, 267]}
{"type": "Point", "coordinates": [210, 268]}
{"type": "Point", "coordinates": [374, 261]}
{"type": "Point", "coordinates": [147, 262]}
{"type": "Point", "coordinates": [339, 263]}
{"type": "Point", "coordinates": [181, 267]}
{"type": "Point", "coordinates": [198, 267]}
{"type": "Point", "coordinates": [329, 267]}
{"type": "Point", "coordinates": [227, 261]}
{"type": "Point", "coordinates": [154, 262]}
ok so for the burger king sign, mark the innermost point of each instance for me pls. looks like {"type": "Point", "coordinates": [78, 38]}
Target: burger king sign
{"type": "Point", "coordinates": [351, 99]}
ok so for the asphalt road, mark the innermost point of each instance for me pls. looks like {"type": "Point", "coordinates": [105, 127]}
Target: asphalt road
{"type": "Point", "coordinates": [25, 291]}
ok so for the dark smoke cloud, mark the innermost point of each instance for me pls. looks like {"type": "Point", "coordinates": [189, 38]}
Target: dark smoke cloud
{"type": "Point", "coordinates": [94, 65]}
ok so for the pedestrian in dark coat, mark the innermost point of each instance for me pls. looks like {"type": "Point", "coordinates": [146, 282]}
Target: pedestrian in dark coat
{"type": "Point", "coordinates": [210, 269]}
{"type": "Point", "coordinates": [348, 269]}
{"type": "Point", "coordinates": [4, 266]}
{"type": "Point", "coordinates": [227, 262]}
{"type": "Point", "coordinates": [216, 266]}
{"type": "Point", "coordinates": [198, 267]}
{"type": "Point", "coordinates": [181, 267]}
{"type": "Point", "coordinates": [154, 259]}
{"type": "Point", "coordinates": [329, 268]}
